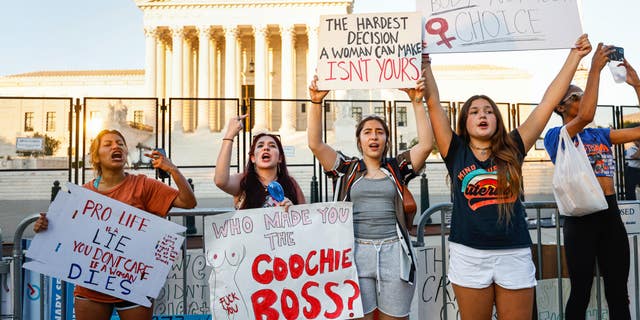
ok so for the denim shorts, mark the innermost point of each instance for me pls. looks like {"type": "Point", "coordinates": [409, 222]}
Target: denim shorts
{"type": "Point", "coordinates": [473, 268]}
{"type": "Point", "coordinates": [378, 265]}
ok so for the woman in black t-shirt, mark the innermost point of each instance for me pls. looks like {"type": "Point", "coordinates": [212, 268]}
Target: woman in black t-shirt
{"type": "Point", "coordinates": [489, 245]}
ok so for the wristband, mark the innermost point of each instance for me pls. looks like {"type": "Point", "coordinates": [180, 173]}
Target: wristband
{"type": "Point", "coordinates": [316, 102]}
{"type": "Point", "coordinates": [228, 139]}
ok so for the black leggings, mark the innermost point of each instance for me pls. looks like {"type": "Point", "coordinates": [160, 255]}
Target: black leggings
{"type": "Point", "coordinates": [600, 236]}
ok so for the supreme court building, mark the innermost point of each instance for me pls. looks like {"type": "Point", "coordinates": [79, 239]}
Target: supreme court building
{"type": "Point", "coordinates": [223, 49]}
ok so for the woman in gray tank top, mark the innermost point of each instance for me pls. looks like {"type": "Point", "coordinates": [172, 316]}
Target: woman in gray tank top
{"type": "Point", "coordinates": [384, 257]}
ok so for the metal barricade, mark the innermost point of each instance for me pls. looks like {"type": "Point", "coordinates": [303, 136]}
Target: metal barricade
{"type": "Point", "coordinates": [537, 225]}
{"type": "Point", "coordinates": [18, 259]}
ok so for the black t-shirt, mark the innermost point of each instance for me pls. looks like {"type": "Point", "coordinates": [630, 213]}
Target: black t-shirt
{"type": "Point", "coordinates": [474, 220]}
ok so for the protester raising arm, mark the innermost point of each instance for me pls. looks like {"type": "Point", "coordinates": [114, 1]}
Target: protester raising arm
{"type": "Point", "coordinates": [587, 107]}
{"type": "Point", "coordinates": [628, 134]}
{"type": "Point", "coordinates": [229, 183]}
{"type": "Point", "coordinates": [532, 127]}
{"type": "Point", "coordinates": [420, 151]}
{"type": "Point", "coordinates": [266, 164]}
{"type": "Point", "coordinates": [326, 154]}
{"type": "Point", "coordinates": [439, 120]}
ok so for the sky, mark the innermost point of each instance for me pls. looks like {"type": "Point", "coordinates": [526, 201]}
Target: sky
{"type": "Point", "coordinates": [45, 35]}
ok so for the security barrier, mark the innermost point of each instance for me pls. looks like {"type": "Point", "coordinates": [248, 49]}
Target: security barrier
{"type": "Point", "coordinates": [543, 224]}
{"type": "Point", "coordinates": [546, 257]}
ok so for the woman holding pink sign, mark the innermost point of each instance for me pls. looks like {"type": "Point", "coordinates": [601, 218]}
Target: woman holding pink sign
{"type": "Point", "coordinates": [489, 244]}
{"type": "Point", "coordinates": [109, 156]}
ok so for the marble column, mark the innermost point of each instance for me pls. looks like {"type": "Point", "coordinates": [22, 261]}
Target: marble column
{"type": "Point", "coordinates": [151, 36]}
{"type": "Point", "coordinates": [288, 84]}
{"type": "Point", "coordinates": [230, 76]}
{"type": "Point", "coordinates": [177, 34]}
{"type": "Point", "coordinates": [204, 34]}
{"type": "Point", "coordinates": [312, 52]}
{"type": "Point", "coordinates": [260, 78]}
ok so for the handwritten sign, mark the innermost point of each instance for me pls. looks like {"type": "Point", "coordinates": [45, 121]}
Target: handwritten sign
{"type": "Point", "coordinates": [196, 290]}
{"type": "Point", "coordinates": [271, 264]}
{"type": "Point", "coordinates": [368, 51]}
{"type": "Point", "coordinates": [630, 214]}
{"type": "Point", "coordinates": [105, 245]}
{"type": "Point", "coordinates": [498, 25]}
{"type": "Point", "coordinates": [547, 294]}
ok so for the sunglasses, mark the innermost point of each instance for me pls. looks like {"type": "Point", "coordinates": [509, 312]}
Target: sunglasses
{"type": "Point", "coordinates": [573, 97]}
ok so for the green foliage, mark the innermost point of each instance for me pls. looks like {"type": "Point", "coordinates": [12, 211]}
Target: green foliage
{"type": "Point", "coordinates": [414, 141]}
{"type": "Point", "coordinates": [630, 124]}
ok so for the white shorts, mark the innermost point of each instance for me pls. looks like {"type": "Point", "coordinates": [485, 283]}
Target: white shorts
{"type": "Point", "coordinates": [473, 268]}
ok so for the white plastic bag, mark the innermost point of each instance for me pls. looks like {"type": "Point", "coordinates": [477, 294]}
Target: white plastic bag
{"type": "Point", "coordinates": [575, 186]}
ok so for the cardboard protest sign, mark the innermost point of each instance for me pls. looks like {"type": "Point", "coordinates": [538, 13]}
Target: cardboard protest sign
{"type": "Point", "coordinates": [630, 214]}
{"type": "Point", "coordinates": [105, 245]}
{"type": "Point", "coordinates": [498, 25]}
{"type": "Point", "coordinates": [368, 51]}
{"type": "Point", "coordinates": [271, 264]}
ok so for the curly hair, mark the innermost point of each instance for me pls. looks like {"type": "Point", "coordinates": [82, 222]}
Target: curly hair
{"type": "Point", "coordinates": [95, 147]}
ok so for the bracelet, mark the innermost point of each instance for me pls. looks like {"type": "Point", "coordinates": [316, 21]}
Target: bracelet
{"type": "Point", "coordinates": [228, 139]}
{"type": "Point", "coordinates": [316, 102]}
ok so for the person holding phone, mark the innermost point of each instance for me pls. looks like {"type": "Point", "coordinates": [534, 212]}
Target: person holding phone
{"type": "Point", "coordinates": [266, 164]}
{"type": "Point", "coordinates": [489, 244]}
{"type": "Point", "coordinates": [109, 153]}
{"type": "Point", "coordinates": [600, 236]}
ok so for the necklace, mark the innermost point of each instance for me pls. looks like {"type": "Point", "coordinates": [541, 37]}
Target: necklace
{"type": "Point", "coordinates": [483, 150]}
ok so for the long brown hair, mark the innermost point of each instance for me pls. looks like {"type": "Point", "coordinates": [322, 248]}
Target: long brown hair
{"type": "Point", "coordinates": [95, 147]}
{"type": "Point", "coordinates": [254, 191]}
{"type": "Point", "coordinates": [505, 154]}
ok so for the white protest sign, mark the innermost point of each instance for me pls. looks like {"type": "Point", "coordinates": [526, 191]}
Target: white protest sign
{"type": "Point", "coordinates": [271, 264]}
{"type": "Point", "coordinates": [630, 214]}
{"type": "Point", "coordinates": [195, 288]}
{"type": "Point", "coordinates": [105, 245]}
{"type": "Point", "coordinates": [498, 25]}
{"type": "Point", "coordinates": [368, 51]}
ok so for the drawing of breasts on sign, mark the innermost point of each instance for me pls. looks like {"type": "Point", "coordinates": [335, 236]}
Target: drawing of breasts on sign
{"type": "Point", "coordinates": [498, 25]}
{"type": "Point", "coordinates": [227, 300]}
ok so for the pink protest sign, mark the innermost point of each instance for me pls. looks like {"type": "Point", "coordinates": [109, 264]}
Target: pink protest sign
{"type": "Point", "coordinates": [498, 25]}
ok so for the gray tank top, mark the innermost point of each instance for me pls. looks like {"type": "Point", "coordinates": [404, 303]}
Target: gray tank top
{"type": "Point", "coordinates": [374, 215]}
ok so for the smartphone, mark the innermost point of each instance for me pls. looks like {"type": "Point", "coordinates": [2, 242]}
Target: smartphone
{"type": "Point", "coordinates": [161, 173]}
{"type": "Point", "coordinates": [617, 54]}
